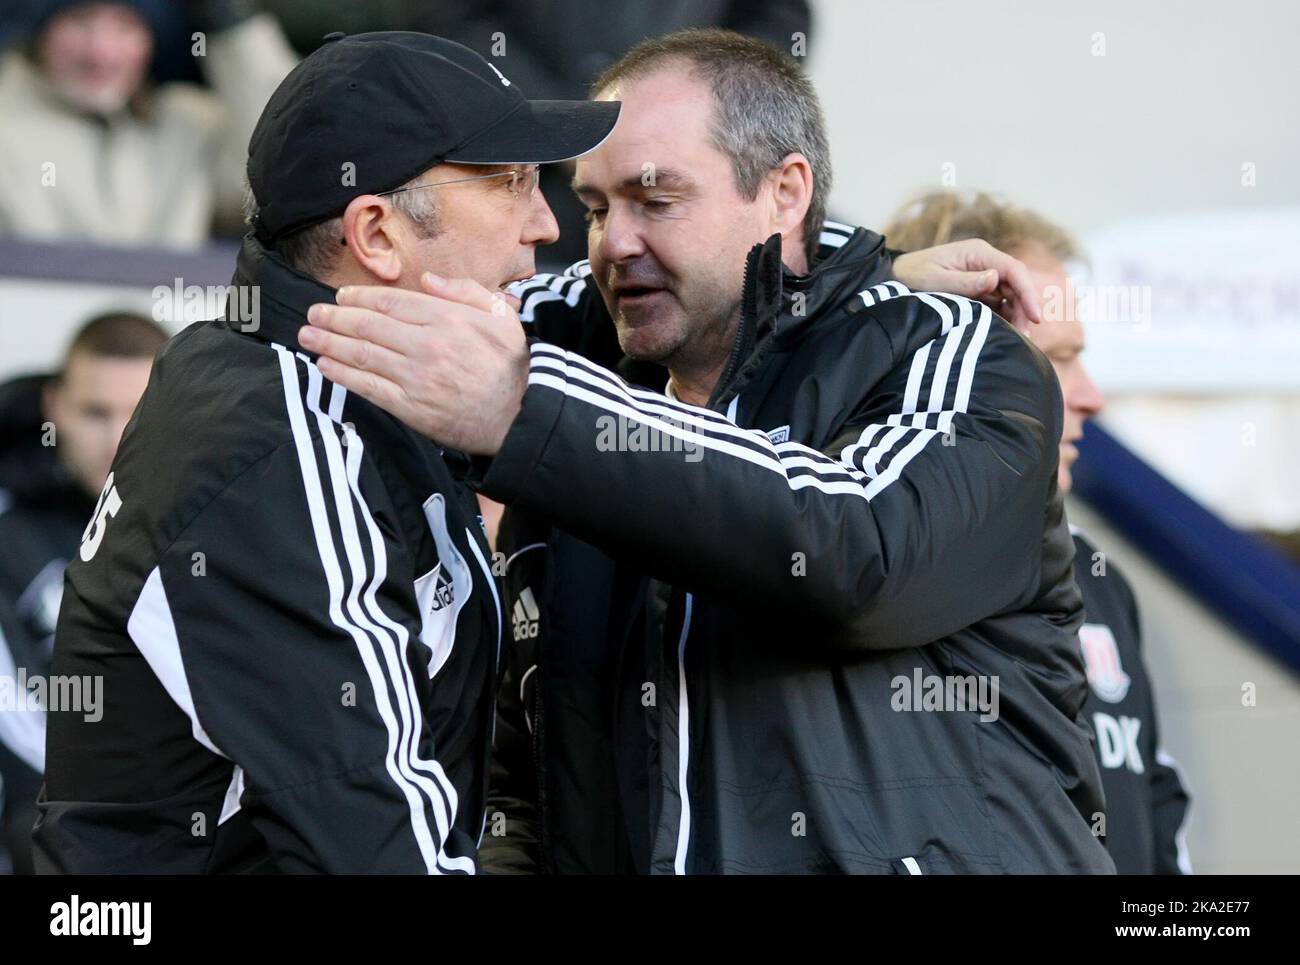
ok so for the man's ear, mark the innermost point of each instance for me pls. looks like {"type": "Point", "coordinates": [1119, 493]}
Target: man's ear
{"type": "Point", "coordinates": [791, 191]}
{"type": "Point", "coordinates": [370, 233]}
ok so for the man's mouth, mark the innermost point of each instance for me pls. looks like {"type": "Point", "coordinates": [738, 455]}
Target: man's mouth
{"type": "Point", "coordinates": [632, 294]}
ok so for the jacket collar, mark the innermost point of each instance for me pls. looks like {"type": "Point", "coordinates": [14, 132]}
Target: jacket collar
{"type": "Point", "coordinates": [269, 299]}
{"type": "Point", "coordinates": [843, 268]}
{"type": "Point", "coordinates": [778, 306]}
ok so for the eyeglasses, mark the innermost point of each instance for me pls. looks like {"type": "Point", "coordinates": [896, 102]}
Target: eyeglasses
{"type": "Point", "coordinates": [523, 182]}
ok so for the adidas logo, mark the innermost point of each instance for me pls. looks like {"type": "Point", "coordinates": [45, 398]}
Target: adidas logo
{"type": "Point", "coordinates": [524, 618]}
{"type": "Point", "coordinates": [444, 594]}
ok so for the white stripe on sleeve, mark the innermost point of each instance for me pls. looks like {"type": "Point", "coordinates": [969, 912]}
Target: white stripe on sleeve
{"type": "Point", "coordinates": [324, 537]}
{"type": "Point", "coordinates": [153, 631]}
{"type": "Point", "coordinates": [859, 470]}
{"type": "Point", "coordinates": [393, 637]}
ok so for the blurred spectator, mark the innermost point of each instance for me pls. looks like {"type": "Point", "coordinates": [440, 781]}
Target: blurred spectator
{"type": "Point", "coordinates": [90, 151]}
{"type": "Point", "coordinates": [557, 48]}
{"type": "Point", "coordinates": [1146, 802]}
{"type": "Point", "coordinates": [58, 435]}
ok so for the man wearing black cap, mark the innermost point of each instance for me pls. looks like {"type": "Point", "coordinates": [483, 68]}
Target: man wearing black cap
{"type": "Point", "coordinates": [286, 591]}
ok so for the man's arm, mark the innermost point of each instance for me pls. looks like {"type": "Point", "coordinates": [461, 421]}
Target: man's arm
{"type": "Point", "coordinates": [894, 540]}
{"type": "Point", "coordinates": [559, 308]}
{"type": "Point", "coordinates": [567, 310]}
{"type": "Point", "coordinates": [976, 269]}
{"type": "Point", "coordinates": [246, 56]}
{"type": "Point", "coordinates": [923, 515]}
{"type": "Point", "coordinates": [287, 609]}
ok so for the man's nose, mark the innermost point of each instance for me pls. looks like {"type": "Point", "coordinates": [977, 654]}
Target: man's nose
{"type": "Point", "coordinates": [541, 228]}
{"type": "Point", "coordinates": [618, 239]}
{"type": "Point", "coordinates": [103, 45]}
{"type": "Point", "coordinates": [1087, 397]}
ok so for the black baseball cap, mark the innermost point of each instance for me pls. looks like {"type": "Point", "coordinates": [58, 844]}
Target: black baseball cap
{"type": "Point", "coordinates": [368, 112]}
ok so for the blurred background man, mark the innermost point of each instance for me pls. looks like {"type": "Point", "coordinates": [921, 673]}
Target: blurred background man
{"type": "Point", "coordinates": [1146, 803]}
{"type": "Point", "coordinates": [91, 151]}
{"type": "Point", "coordinates": [58, 436]}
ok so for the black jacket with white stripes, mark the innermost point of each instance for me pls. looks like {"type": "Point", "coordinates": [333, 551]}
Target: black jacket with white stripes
{"type": "Point", "coordinates": [291, 604]}
{"type": "Point", "coordinates": [762, 636]}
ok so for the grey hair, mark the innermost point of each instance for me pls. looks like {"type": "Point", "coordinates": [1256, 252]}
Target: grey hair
{"type": "Point", "coordinates": [765, 108]}
{"type": "Point", "coordinates": [314, 250]}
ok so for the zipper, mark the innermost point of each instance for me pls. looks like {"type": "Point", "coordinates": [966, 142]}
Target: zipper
{"type": "Point", "coordinates": [748, 309]}
{"type": "Point", "coordinates": [539, 770]}
{"type": "Point", "coordinates": [682, 850]}
{"type": "Point", "coordinates": [539, 724]}
{"type": "Point", "coordinates": [748, 313]}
